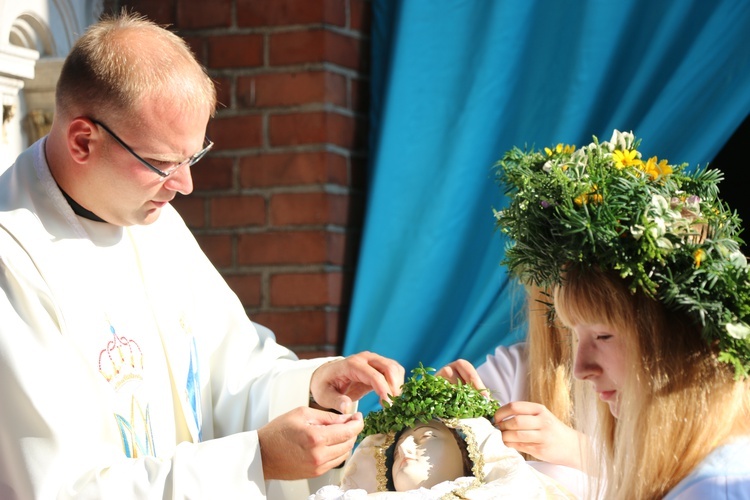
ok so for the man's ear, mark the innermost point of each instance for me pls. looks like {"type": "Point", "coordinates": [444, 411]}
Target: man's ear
{"type": "Point", "coordinates": [82, 139]}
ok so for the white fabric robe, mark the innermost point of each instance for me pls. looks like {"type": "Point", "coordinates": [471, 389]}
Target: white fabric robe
{"type": "Point", "coordinates": [505, 374]}
{"type": "Point", "coordinates": [128, 367]}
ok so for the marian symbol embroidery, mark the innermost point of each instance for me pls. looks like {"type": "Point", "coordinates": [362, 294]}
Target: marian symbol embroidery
{"type": "Point", "coordinates": [120, 363]}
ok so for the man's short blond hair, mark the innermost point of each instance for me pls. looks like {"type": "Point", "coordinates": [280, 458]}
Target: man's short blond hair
{"type": "Point", "coordinates": [123, 59]}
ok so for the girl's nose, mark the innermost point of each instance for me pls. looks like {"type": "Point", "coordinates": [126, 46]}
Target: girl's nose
{"type": "Point", "coordinates": [585, 364]}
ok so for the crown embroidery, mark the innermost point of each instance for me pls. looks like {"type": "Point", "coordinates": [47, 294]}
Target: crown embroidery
{"type": "Point", "coordinates": [121, 361]}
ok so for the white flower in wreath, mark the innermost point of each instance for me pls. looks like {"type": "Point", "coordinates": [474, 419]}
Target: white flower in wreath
{"type": "Point", "coordinates": [738, 259]}
{"type": "Point", "coordinates": [738, 330]}
{"type": "Point", "coordinates": [621, 140]}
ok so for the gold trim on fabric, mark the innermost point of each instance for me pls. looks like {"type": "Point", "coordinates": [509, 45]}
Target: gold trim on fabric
{"type": "Point", "coordinates": [477, 459]}
{"type": "Point", "coordinates": [380, 467]}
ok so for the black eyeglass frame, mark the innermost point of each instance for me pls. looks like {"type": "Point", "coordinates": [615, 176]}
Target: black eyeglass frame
{"type": "Point", "coordinates": [207, 145]}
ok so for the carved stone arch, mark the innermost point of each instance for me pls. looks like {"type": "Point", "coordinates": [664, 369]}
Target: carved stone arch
{"type": "Point", "coordinates": [35, 36]}
{"type": "Point", "coordinates": [32, 32]}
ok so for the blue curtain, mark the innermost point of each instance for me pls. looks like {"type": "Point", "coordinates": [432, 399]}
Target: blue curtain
{"type": "Point", "coordinates": [457, 83]}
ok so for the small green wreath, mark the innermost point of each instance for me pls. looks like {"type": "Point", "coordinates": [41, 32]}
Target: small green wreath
{"type": "Point", "coordinates": [425, 397]}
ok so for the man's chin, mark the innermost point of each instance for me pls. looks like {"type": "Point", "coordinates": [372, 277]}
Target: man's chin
{"type": "Point", "coordinates": [150, 217]}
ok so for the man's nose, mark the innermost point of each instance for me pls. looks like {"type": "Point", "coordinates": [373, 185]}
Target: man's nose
{"type": "Point", "coordinates": [181, 181]}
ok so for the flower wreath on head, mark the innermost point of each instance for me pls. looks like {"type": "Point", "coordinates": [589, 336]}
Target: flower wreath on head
{"type": "Point", "coordinates": [661, 227]}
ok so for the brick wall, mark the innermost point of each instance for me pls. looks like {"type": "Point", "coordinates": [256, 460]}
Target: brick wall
{"type": "Point", "coordinates": [278, 203]}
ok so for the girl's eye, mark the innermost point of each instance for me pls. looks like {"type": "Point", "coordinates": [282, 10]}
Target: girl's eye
{"type": "Point", "coordinates": [603, 336]}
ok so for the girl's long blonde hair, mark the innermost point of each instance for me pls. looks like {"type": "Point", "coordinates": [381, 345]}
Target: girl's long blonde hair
{"type": "Point", "coordinates": [549, 354]}
{"type": "Point", "coordinates": [679, 403]}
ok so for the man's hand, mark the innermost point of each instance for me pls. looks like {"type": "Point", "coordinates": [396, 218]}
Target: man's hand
{"type": "Point", "coordinates": [531, 428]}
{"type": "Point", "coordinates": [305, 442]}
{"type": "Point", "coordinates": [465, 371]}
{"type": "Point", "coordinates": [338, 384]}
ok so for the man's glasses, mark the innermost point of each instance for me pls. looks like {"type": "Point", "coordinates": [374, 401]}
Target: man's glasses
{"type": "Point", "coordinates": [162, 172]}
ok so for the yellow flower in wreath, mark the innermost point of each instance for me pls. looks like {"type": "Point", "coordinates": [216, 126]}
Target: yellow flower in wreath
{"type": "Point", "coordinates": [655, 168]}
{"type": "Point", "coordinates": [627, 158]}
{"type": "Point", "coordinates": [698, 257]}
{"type": "Point", "coordinates": [560, 149]}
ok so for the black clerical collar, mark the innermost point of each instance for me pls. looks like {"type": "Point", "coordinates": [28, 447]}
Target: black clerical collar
{"type": "Point", "coordinates": [79, 210]}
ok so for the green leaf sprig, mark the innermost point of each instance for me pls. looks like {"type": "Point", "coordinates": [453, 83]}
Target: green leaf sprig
{"type": "Point", "coordinates": [425, 397]}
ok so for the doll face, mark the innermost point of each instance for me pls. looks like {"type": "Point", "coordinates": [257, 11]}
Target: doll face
{"type": "Point", "coordinates": [426, 455]}
{"type": "Point", "coordinates": [600, 360]}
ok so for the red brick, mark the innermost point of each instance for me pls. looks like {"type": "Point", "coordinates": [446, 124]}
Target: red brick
{"type": "Point", "coordinates": [192, 14]}
{"type": "Point", "coordinates": [291, 247]}
{"type": "Point", "coordinates": [217, 247]}
{"type": "Point", "coordinates": [288, 169]}
{"type": "Point", "coordinates": [306, 289]}
{"type": "Point", "coordinates": [291, 89]}
{"type": "Point", "coordinates": [312, 128]}
{"type": "Point", "coordinates": [161, 12]}
{"type": "Point", "coordinates": [247, 287]}
{"type": "Point", "coordinates": [323, 353]}
{"type": "Point", "coordinates": [361, 15]}
{"type": "Point", "coordinates": [197, 46]}
{"type": "Point", "coordinates": [309, 208]}
{"type": "Point", "coordinates": [223, 93]}
{"type": "Point", "coordinates": [235, 51]}
{"type": "Point", "coordinates": [333, 327]}
{"type": "Point", "coordinates": [310, 328]}
{"type": "Point", "coordinates": [315, 46]}
{"type": "Point", "coordinates": [236, 132]}
{"type": "Point", "coordinates": [212, 173]}
{"type": "Point", "coordinates": [192, 210]}
{"type": "Point", "coordinates": [286, 12]}
{"type": "Point", "coordinates": [228, 211]}
{"type": "Point", "coordinates": [294, 328]}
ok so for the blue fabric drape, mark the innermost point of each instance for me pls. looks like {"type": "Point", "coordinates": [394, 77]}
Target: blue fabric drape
{"type": "Point", "coordinates": [457, 83]}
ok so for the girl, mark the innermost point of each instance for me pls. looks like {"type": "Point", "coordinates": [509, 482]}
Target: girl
{"type": "Point", "coordinates": [644, 263]}
{"type": "Point", "coordinates": [672, 418]}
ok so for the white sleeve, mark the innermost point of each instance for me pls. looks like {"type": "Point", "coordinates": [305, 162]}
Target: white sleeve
{"type": "Point", "coordinates": [505, 373]}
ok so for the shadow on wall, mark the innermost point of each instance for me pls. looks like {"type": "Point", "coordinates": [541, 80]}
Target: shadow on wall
{"type": "Point", "coordinates": [732, 161]}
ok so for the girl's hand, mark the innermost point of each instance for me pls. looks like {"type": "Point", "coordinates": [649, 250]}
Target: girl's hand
{"type": "Point", "coordinates": [532, 429]}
